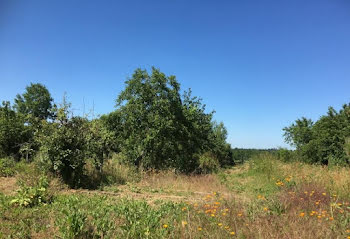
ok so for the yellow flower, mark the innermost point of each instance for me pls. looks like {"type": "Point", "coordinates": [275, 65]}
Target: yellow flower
{"type": "Point", "coordinates": [302, 214]}
{"type": "Point", "coordinates": [184, 209]}
{"type": "Point", "coordinates": [165, 226]}
{"type": "Point", "coordinates": [199, 229]}
{"type": "Point", "coordinates": [184, 223]}
{"type": "Point", "coordinates": [266, 209]}
{"type": "Point", "coordinates": [239, 214]}
{"type": "Point", "coordinates": [212, 215]}
{"type": "Point", "coordinates": [324, 194]}
{"type": "Point", "coordinates": [224, 214]}
{"type": "Point", "coordinates": [220, 224]}
{"type": "Point", "coordinates": [227, 227]}
{"type": "Point", "coordinates": [232, 233]}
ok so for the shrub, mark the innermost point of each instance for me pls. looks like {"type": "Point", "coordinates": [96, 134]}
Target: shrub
{"type": "Point", "coordinates": [208, 163]}
{"type": "Point", "coordinates": [7, 167]}
{"type": "Point", "coordinates": [64, 147]}
{"type": "Point", "coordinates": [29, 196]}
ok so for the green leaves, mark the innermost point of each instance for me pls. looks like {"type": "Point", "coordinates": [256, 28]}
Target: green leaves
{"type": "Point", "coordinates": [36, 102]}
{"type": "Point", "coordinates": [323, 141]}
{"type": "Point", "coordinates": [159, 128]}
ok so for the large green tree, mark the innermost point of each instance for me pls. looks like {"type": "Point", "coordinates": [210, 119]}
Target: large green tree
{"type": "Point", "coordinates": [158, 127]}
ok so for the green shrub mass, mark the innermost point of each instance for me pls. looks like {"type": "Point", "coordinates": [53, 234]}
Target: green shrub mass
{"type": "Point", "coordinates": [325, 141]}
{"type": "Point", "coordinates": [154, 126]}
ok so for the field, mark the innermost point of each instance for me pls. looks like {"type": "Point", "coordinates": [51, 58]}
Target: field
{"type": "Point", "coordinates": [262, 198]}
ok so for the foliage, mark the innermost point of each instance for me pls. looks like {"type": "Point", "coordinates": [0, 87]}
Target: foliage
{"type": "Point", "coordinates": [208, 163]}
{"type": "Point", "coordinates": [100, 143]}
{"type": "Point", "coordinates": [64, 146]}
{"type": "Point", "coordinates": [13, 132]}
{"type": "Point", "coordinates": [29, 196]}
{"type": "Point", "coordinates": [7, 167]}
{"type": "Point", "coordinates": [160, 129]}
{"type": "Point", "coordinates": [324, 140]}
{"type": "Point", "coordinates": [36, 102]}
{"type": "Point", "coordinates": [241, 155]}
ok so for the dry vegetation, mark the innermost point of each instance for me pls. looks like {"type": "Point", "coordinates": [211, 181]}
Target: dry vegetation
{"type": "Point", "coordinates": [263, 198]}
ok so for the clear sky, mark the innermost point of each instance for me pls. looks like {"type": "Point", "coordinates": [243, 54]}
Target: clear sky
{"type": "Point", "coordinates": [259, 64]}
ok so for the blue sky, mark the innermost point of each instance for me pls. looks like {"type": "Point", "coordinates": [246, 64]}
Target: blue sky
{"type": "Point", "coordinates": [259, 64]}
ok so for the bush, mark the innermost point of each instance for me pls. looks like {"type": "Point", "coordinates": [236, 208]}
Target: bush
{"type": "Point", "coordinates": [29, 196]}
{"type": "Point", "coordinates": [285, 155]}
{"type": "Point", "coordinates": [114, 171]}
{"type": "Point", "coordinates": [208, 163]}
{"type": "Point", "coordinates": [7, 167]}
{"type": "Point", "coordinates": [64, 147]}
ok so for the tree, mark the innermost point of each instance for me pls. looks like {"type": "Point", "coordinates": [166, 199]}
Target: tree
{"type": "Point", "coordinates": [13, 132]}
{"type": "Point", "coordinates": [159, 129]}
{"type": "Point", "coordinates": [219, 146]}
{"type": "Point", "coordinates": [323, 141]}
{"type": "Point", "coordinates": [64, 146]}
{"type": "Point", "coordinates": [35, 102]}
{"type": "Point", "coordinates": [299, 133]}
{"type": "Point", "coordinates": [100, 142]}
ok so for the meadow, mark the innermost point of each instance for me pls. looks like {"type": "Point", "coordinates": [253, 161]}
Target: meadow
{"type": "Point", "coordinates": [262, 198]}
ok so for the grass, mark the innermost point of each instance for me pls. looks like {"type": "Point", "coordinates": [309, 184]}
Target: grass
{"type": "Point", "coordinates": [263, 198]}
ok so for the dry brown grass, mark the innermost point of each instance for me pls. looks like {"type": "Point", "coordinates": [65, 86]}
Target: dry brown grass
{"type": "Point", "coordinates": [186, 183]}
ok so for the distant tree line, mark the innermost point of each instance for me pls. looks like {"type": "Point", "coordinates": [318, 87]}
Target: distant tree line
{"type": "Point", "coordinates": [154, 126]}
{"type": "Point", "coordinates": [326, 141]}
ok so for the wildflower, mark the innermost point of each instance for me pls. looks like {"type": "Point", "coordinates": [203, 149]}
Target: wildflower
{"type": "Point", "coordinates": [302, 214]}
{"type": "Point", "coordinates": [184, 209]}
{"type": "Point", "coordinates": [212, 215]}
{"type": "Point", "coordinates": [324, 194]}
{"type": "Point", "coordinates": [184, 223]}
{"type": "Point", "coordinates": [224, 214]}
{"type": "Point", "coordinates": [220, 224]}
{"type": "Point", "coordinates": [348, 230]}
{"type": "Point", "coordinates": [239, 214]}
{"type": "Point", "coordinates": [165, 226]}
{"type": "Point", "coordinates": [232, 233]}
{"type": "Point", "coordinates": [199, 229]}
{"type": "Point", "coordinates": [227, 227]}
{"type": "Point", "coordinates": [217, 203]}
{"type": "Point", "coordinates": [331, 218]}
{"type": "Point", "coordinates": [266, 209]}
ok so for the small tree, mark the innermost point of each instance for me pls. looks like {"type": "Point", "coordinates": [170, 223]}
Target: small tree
{"type": "Point", "coordinates": [64, 146]}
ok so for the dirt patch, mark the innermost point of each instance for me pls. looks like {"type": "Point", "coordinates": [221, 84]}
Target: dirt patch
{"type": "Point", "coordinates": [8, 185]}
